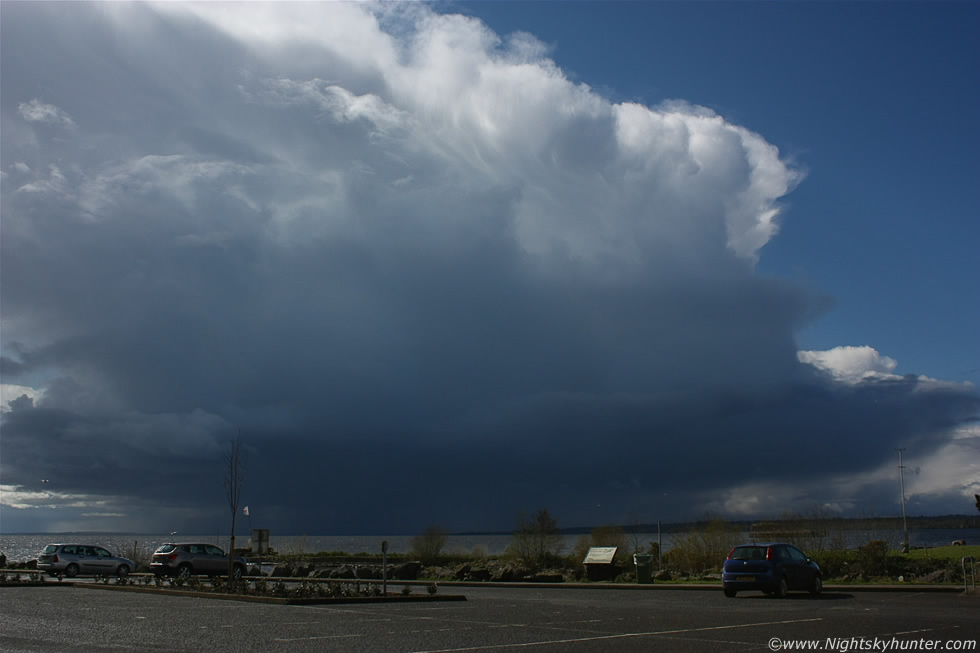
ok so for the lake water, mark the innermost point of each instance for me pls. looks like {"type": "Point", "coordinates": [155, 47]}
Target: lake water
{"type": "Point", "coordinates": [27, 547]}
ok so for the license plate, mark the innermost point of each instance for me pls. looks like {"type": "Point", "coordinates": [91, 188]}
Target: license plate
{"type": "Point", "coordinates": [746, 579]}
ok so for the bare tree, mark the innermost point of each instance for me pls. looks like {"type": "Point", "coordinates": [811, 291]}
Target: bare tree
{"type": "Point", "coordinates": [234, 460]}
{"type": "Point", "coordinates": [634, 529]}
{"type": "Point", "coordinates": [428, 546]}
{"type": "Point", "coordinates": [537, 540]}
{"type": "Point", "coordinates": [608, 535]}
{"type": "Point", "coordinates": [704, 549]}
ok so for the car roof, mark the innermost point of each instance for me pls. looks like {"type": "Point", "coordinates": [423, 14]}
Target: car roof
{"type": "Point", "coordinates": [760, 544]}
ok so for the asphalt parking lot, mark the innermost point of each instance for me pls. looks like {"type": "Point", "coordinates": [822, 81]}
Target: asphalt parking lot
{"type": "Point", "coordinates": [491, 619]}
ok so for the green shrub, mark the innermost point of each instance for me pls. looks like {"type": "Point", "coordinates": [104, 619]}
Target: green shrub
{"type": "Point", "coordinates": [872, 557]}
{"type": "Point", "coordinates": [703, 549]}
{"type": "Point", "coordinates": [955, 553]}
{"type": "Point", "coordinates": [873, 561]}
{"type": "Point", "coordinates": [654, 550]}
{"type": "Point", "coordinates": [429, 545]}
{"type": "Point", "coordinates": [836, 564]}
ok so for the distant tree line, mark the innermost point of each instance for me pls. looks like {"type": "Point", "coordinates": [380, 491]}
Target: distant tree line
{"type": "Point", "coordinates": [537, 541]}
{"type": "Point", "coordinates": [845, 523]}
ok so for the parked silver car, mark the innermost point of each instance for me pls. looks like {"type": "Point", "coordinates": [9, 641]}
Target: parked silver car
{"type": "Point", "coordinates": [186, 558]}
{"type": "Point", "coordinates": [82, 559]}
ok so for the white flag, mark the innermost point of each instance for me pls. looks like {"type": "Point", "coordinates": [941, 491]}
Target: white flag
{"type": "Point", "coordinates": [245, 511]}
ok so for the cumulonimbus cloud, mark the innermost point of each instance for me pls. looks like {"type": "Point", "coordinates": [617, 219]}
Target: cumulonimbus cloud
{"type": "Point", "coordinates": [344, 228]}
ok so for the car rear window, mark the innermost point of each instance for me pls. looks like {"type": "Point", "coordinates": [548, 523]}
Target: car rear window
{"type": "Point", "coordinates": [166, 548]}
{"type": "Point", "coordinates": [748, 553]}
{"type": "Point", "coordinates": [51, 548]}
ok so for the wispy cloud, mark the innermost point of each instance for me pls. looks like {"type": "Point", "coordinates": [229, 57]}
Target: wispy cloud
{"type": "Point", "coordinates": [37, 111]}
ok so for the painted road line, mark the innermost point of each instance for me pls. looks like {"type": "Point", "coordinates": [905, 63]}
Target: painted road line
{"type": "Point", "coordinates": [652, 633]}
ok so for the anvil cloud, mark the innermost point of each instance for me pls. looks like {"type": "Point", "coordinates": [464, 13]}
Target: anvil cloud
{"type": "Point", "coordinates": [425, 276]}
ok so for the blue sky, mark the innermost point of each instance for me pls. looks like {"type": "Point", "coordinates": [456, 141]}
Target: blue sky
{"type": "Point", "coordinates": [876, 101]}
{"type": "Point", "coordinates": [441, 264]}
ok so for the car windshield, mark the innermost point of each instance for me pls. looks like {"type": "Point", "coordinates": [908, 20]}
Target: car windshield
{"type": "Point", "coordinates": [748, 553]}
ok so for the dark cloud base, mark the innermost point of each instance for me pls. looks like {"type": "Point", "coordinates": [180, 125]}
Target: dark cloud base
{"type": "Point", "coordinates": [585, 458]}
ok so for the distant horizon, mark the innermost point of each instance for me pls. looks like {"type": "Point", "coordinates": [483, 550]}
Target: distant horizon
{"type": "Point", "coordinates": [572, 530]}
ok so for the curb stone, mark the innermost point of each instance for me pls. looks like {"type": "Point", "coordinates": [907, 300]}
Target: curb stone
{"type": "Point", "coordinates": [904, 587]}
{"type": "Point", "coordinates": [278, 600]}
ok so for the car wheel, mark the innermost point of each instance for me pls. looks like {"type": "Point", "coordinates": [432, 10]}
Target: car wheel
{"type": "Point", "coordinates": [782, 589]}
{"type": "Point", "coordinates": [238, 572]}
{"type": "Point", "coordinates": [817, 585]}
{"type": "Point", "coordinates": [184, 571]}
{"type": "Point", "coordinates": [730, 593]}
{"type": "Point", "coordinates": [71, 570]}
{"type": "Point", "coordinates": [122, 571]}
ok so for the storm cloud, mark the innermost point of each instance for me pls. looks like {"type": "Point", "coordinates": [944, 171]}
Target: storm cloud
{"type": "Point", "coordinates": [426, 277]}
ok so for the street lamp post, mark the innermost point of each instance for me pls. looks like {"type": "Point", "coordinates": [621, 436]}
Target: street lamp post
{"type": "Point", "coordinates": [905, 525]}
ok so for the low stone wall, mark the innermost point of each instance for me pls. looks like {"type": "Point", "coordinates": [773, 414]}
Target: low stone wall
{"type": "Point", "coordinates": [345, 569]}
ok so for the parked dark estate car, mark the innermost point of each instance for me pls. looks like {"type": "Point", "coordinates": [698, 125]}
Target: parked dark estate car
{"type": "Point", "coordinates": [82, 559]}
{"type": "Point", "coordinates": [774, 568]}
{"type": "Point", "coordinates": [186, 558]}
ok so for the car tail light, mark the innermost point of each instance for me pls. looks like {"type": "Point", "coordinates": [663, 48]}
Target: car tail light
{"type": "Point", "coordinates": [769, 555]}
{"type": "Point", "coordinates": [730, 554]}
{"type": "Point", "coordinates": [172, 557]}
{"type": "Point", "coordinates": [54, 558]}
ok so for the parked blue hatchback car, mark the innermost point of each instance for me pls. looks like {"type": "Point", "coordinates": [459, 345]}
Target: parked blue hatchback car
{"type": "Point", "coordinates": [773, 568]}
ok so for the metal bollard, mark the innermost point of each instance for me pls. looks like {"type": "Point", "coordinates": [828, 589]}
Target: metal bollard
{"type": "Point", "coordinates": [973, 572]}
{"type": "Point", "coordinates": [384, 567]}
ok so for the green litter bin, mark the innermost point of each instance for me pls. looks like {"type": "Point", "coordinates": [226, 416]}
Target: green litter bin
{"type": "Point", "coordinates": [643, 562]}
